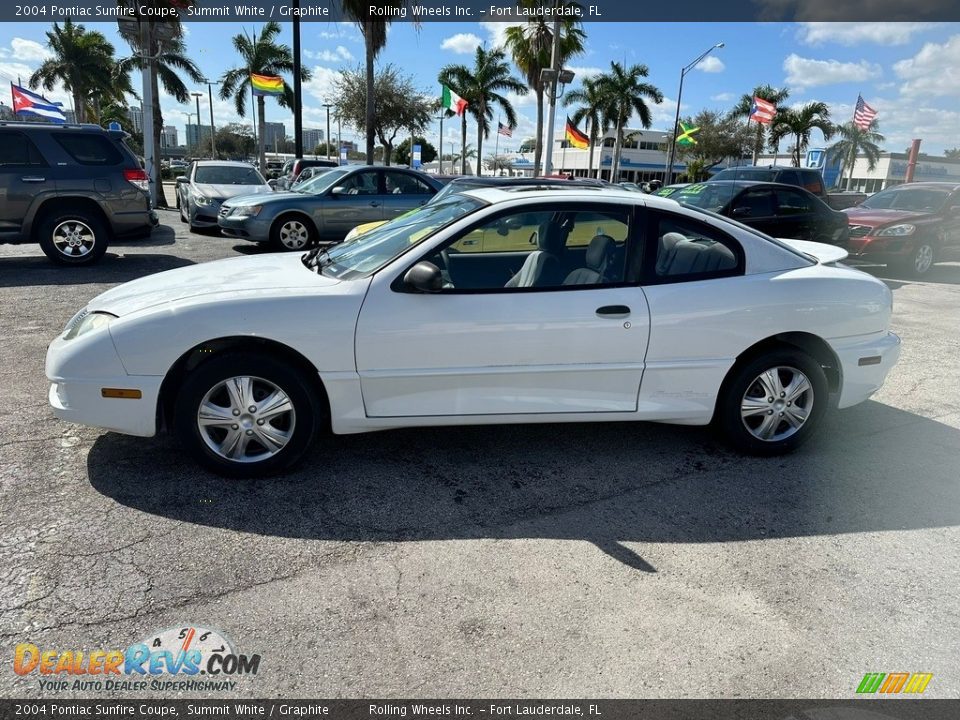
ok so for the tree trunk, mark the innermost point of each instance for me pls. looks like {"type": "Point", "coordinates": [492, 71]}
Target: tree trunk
{"type": "Point", "coordinates": [853, 161]}
{"type": "Point", "coordinates": [261, 135]}
{"type": "Point", "coordinates": [593, 142]}
{"type": "Point", "coordinates": [463, 143]}
{"type": "Point", "coordinates": [79, 107]}
{"type": "Point", "coordinates": [157, 129]}
{"type": "Point", "coordinates": [796, 152]}
{"type": "Point", "coordinates": [387, 152]}
{"type": "Point", "coordinates": [480, 114]}
{"type": "Point", "coordinates": [538, 148]}
{"type": "Point", "coordinates": [757, 143]}
{"type": "Point", "coordinates": [370, 116]}
{"type": "Point", "coordinates": [617, 145]}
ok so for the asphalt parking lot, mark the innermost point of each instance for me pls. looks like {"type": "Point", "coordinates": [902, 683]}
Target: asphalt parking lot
{"type": "Point", "coordinates": [608, 560]}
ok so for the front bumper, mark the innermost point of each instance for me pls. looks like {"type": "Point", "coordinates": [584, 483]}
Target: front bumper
{"type": "Point", "coordinates": [872, 248]}
{"type": "Point", "coordinates": [865, 363]}
{"type": "Point", "coordinates": [204, 215]}
{"type": "Point", "coordinates": [254, 229]}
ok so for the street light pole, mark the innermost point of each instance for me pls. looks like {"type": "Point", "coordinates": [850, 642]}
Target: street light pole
{"type": "Point", "coordinates": [199, 132]}
{"type": "Point", "coordinates": [555, 68]}
{"type": "Point", "coordinates": [328, 106]}
{"type": "Point", "coordinates": [676, 120]}
{"type": "Point", "coordinates": [297, 85]}
{"type": "Point", "coordinates": [187, 129]}
{"type": "Point", "coordinates": [213, 130]}
{"type": "Point", "coordinates": [440, 153]}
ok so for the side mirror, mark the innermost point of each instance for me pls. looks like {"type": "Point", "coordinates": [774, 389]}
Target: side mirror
{"type": "Point", "coordinates": [739, 212]}
{"type": "Point", "coordinates": [339, 190]}
{"type": "Point", "coordinates": [181, 179]}
{"type": "Point", "coordinates": [424, 277]}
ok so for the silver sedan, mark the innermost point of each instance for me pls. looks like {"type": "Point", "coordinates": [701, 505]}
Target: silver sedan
{"type": "Point", "coordinates": [208, 183]}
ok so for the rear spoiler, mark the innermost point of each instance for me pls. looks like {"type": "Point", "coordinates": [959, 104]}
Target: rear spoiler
{"type": "Point", "coordinates": [821, 252]}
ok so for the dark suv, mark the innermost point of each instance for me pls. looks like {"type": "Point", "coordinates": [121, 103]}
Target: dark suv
{"type": "Point", "coordinates": [70, 188]}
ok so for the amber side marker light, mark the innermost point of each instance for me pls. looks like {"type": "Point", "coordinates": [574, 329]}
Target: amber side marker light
{"type": "Point", "coordinates": [873, 360]}
{"type": "Point", "coordinates": [122, 393]}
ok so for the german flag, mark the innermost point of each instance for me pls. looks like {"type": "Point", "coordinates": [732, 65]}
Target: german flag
{"type": "Point", "coordinates": [576, 138]}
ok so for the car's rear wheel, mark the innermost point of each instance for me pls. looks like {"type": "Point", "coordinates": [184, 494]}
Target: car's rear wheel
{"type": "Point", "coordinates": [772, 403]}
{"type": "Point", "coordinates": [292, 232]}
{"type": "Point", "coordinates": [73, 238]}
{"type": "Point", "coordinates": [919, 261]}
{"type": "Point", "coordinates": [247, 415]}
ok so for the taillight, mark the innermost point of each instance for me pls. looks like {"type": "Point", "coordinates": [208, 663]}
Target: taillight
{"type": "Point", "coordinates": [138, 178]}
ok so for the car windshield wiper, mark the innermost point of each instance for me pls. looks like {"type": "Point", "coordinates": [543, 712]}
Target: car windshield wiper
{"type": "Point", "coordinates": [316, 259]}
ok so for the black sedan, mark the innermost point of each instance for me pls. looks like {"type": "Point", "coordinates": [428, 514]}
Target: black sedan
{"type": "Point", "coordinates": [777, 210]}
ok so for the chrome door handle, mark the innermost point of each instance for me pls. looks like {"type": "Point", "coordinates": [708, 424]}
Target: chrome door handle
{"type": "Point", "coordinates": [374, 203]}
{"type": "Point", "coordinates": [33, 179]}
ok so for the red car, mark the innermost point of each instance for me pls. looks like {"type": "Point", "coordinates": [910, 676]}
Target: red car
{"type": "Point", "coordinates": [909, 227]}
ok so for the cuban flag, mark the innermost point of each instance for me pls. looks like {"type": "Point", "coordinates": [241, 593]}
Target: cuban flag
{"type": "Point", "coordinates": [29, 103]}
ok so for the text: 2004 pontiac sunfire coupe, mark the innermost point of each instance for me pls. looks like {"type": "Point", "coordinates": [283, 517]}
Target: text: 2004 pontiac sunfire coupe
{"type": "Point", "coordinates": [494, 306]}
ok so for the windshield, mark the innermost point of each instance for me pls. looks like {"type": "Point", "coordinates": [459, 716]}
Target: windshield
{"type": "Point", "coordinates": [369, 252]}
{"type": "Point", "coordinates": [456, 187]}
{"type": "Point", "coordinates": [745, 173]}
{"type": "Point", "coordinates": [901, 198]}
{"type": "Point", "coordinates": [309, 174]}
{"type": "Point", "coordinates": [705, 196]}
{"type": "Point", "coordinates": [319, 184]}
{"type": "Point", "coordinates": [227, 175]}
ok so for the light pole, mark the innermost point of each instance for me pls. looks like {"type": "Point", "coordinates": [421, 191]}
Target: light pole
{"type": "Point", "coordinates": [190, 115]}
{"type": "Point", "coordinates": [328, 106]}
{"type": "Point", "coordinates": [199, 133]}
{"type": "Point", "coordinates": [297, 86]}
{"type": "Point", "coordinates": [676, 120]}
{"type": "Point", "coordinates": [213, 130]}
{"type": "Point", "coordinates": [440, 151]}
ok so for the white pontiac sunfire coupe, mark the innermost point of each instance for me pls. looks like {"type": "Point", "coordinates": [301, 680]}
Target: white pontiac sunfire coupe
{"type": "Point", "coordinates": [492, 306]}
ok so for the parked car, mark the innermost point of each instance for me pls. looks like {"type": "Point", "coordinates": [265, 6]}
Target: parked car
{"type": "Point", "coordinates": [326, 208]}
{"type": "Point", "coordinates": [619, 306]}
{"type": "Point", "coordinates": [455, 184]}
{"type": "Point", "coordinates": [290, 173]}
{"type": "Point", "coordinates": [208, 183]}
{"type": "Point", "coordinates": [809, 179]}
{"type": "Point", "coordinates": [70, 188]}
{"type": "Point", "coordinates": [669, 190]}
{"type": "Point", "coordinates": [308, 173]}
{"type": "Point", "coordinates": [782, 211]}
{"type": "Point", "coordinates": [907, 226]}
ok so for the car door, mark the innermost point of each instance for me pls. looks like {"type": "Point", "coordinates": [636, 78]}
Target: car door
{"type": "Point", "coordinates": [951, 221]}
{"type": "Point", "coordinates": [755, 207]}
{"type": "Point", "coordinates": [573, 345]}
{"type": "Point", "coordinates": [24, 179]}
{"type": "Point", "coordinates": [355, 199]}
{"type": "Point", "coordinates": [403, 192]}
{"type": "Point", "coordinates": [797, 218]}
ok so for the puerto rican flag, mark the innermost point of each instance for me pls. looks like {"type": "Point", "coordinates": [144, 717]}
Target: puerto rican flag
{"type": "Point", "coordinates": [762, 111]}
{"type": "Point", "coordinates": [28, 103]}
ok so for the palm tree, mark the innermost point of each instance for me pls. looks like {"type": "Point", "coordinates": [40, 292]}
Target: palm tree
{"type": "Point", "coordinates": [83, 62]}
{"type": "Point", "coordinates": [482, 88]}
{"type": "Point", "coordinates": [374, 33]}
{"type": "Point", "coordinates": [261, 55]}
{"type": "Point", "coordinates": [800, 122]}
{"type": "Point", "coordinates": [854, 141]}
{"type": "Point", "coordinates": [626, 94]}
{"type": "Point", "coordinates": [777, 96]}
{"type": "Point", "coordinates": [170, 58]}
{"type": "Point", "coordinates": [593, 109]}
{"type": "Point", "coordinates": [530, 46]}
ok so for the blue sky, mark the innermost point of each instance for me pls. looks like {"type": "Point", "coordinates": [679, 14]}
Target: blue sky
{"type": "Point", "coordinates": [909, 72]}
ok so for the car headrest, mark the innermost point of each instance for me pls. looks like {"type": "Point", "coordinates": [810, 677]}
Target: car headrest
{"type": "Point", "coordinates": [599, 251]}
{"type": "Point", "coordinates": [554, 239]}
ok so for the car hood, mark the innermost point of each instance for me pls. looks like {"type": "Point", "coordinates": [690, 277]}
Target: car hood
{"type": "Point", "coordinates": [867, 216]}
{"type": "Point", "coordinates": [275, 196]}
{"type": "Point", "coordinates": [233, 276]}
{"type": "Point", "coordinates": [222, 192]}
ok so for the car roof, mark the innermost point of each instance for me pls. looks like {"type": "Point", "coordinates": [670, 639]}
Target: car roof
{"type": "Point", "coordinates": [62, 127]}
{"type": "Point", "coordinates": [482, 181]}
{"type": "Point", "coordinates": [228, 163]}
{"type": "Point", "coordinates": [569, 191]}
{"type": "Point", "coordinates": [940, 185]}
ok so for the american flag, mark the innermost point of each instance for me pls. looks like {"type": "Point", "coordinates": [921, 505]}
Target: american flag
{"type": "Point", "coordinates": [504, 130]}
{"type": "Point", "coordinates": [863, 115]}
{"type": "Point", "coordinates": [762, 111]}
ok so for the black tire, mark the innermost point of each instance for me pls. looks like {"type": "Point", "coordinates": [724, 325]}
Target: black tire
{"type": "Point", "coordinates": [919, 262]}
{"type": "Point", "coordinates": [281, 240]}
{"type": "Point", "coordinates": [301, 427]}
{"type": "Point", "coordinates": [743, 379]}
{"type": "Point", "coordinates": [83, 227]}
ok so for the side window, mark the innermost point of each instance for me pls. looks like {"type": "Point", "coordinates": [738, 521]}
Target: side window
{"type": "Point", "coordinates": [789, 177]}
{"type": "Point", "coordinates": [752, 204]}
{"type": "Point", "coordinates": [790, 202]}
{"type": "Point", "coordinates": [811, 182]}
{"type": "Point", "coordinates": [690, 250]}
{"type": "Point", "coordinates": [17, 150]}
{"type": "Point", "coordinates": [403, 184]}
{"type": "Point", "coordinates": [537, 250]}
{"type": "Point", "coordinates": [89, 149]}
{"type": "Point", "coordinates": [361, 183]}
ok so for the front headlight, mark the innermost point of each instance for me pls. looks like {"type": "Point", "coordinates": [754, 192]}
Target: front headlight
{"type": "Point", "coordinates": [202, 200]}
{"type": "Point", "coordinates": [84, 322]}
{"type": "Point", "coordinates": [897, 230]}
{"type": "Point", "coordinates": [246, 211]}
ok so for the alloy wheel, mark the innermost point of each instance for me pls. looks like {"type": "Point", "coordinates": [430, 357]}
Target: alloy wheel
{"type": "Point", "coordinates": [73, 238]}
{"type": "Point", "coordinates": [777, 403]}
{"type": "Point", "coordinates": [294, 235]}
{"type": "Point", "coordinates": [923, 259]}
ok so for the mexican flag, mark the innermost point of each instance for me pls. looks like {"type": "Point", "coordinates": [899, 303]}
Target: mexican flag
{"type": "Point", "coordinates": [452, 101]}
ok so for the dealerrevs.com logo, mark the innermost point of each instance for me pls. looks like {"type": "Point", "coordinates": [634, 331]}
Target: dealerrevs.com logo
{"type": "Point", "coordinates": [894, 683]}
{"type": "Point", "coordinates": [187, 658]}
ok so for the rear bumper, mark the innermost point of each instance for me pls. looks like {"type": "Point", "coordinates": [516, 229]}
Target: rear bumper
{"type": "Point", "coordinates": [865, 363]}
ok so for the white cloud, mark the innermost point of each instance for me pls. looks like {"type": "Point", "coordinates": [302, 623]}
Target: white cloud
{"type": "Point", "coordinates": [461, 43]}
{"type": "Point", "coordinates": [582, 73]}
{"type": "Point", "coordinates": [934, 71]}
{"type": "Point", "coordinates": [528, 100]}
{"type": "Point", "coordinates": [711, 64]}
{"type": "Point", "coordinates": [341, 31]}
{"type": "Point", "coordinates": [340, 54]}
{"type": "Point", "coordinates": [724, 97]}
{"type": "Point", "coordinates": [25, 50]}
{"type": "Point", "coordinates": [498, 31]}
{"type": "Point", "coordinates": [322, 82]}
{"type": "Point", "coordinates": [854, 33]}
{"type": "Point", "coordinates": [806, 72]}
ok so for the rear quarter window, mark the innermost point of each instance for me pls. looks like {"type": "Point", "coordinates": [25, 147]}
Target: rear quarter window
{"type": "Point", "coordinates": [89, 149]}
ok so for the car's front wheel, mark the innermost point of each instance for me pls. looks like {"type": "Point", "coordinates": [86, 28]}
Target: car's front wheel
{"type": "Point", "coordinates": [292, 232]}
{"type": "Point", "coordinates": [73, 238]}
{"type": "Point", "coordinates": [919, 261]}
{"type": "Point", "coordinates": [247, 415]}
{"type": "Point", "coordinates": [773, 403]}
